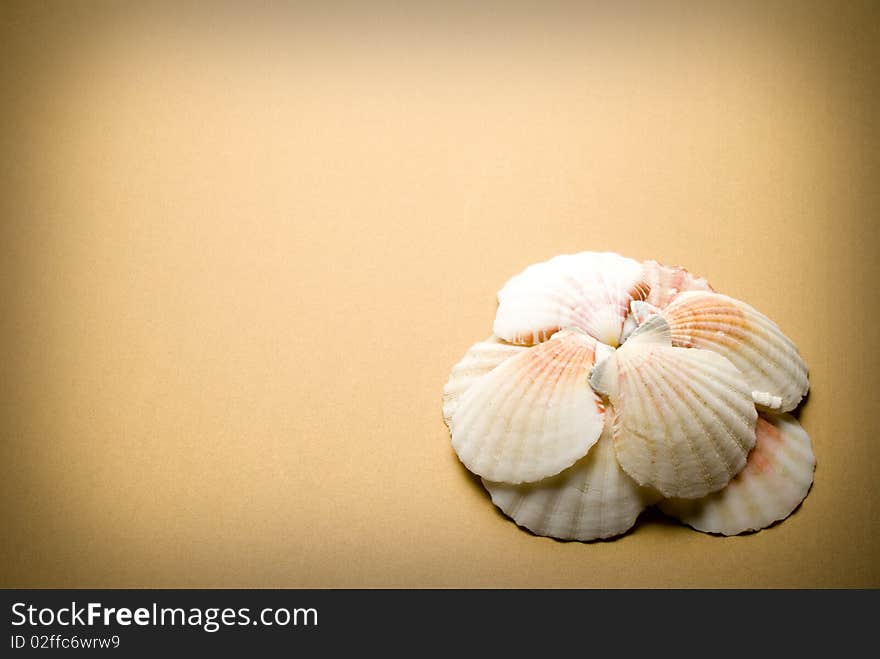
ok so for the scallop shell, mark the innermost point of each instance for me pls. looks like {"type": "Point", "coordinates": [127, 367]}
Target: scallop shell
{"type": "Point", "coordinates": [768, 360]}
{"type": "Point", "coordinates": [641, 311]}
{"type": "Point", "coordinates": [667, 281]}
{"type": "Point", "coordinates": [480, 358]}
{"type": "Point", "coordinates": [532, 416]}
{"type": "Point", "coordinates": [592, 499]}
{"type": "Point", "coordinates": [684, 418]}
{"type": "Point", "coordinates": [777, 477]}
{"type": "Point", "coordinates": [629, 326]}
{"type": "Point", "coordinates": [590, 290]}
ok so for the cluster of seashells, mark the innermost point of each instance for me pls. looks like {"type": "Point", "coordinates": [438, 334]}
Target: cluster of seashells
{"type": "Point", "coordinates": [610, 385]}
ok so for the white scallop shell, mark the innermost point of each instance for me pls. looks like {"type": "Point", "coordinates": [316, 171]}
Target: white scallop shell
{"type": "Point", "coordinates": [480, 358]}
{"type": "Point", "coordinates": [592, 499]}
{"type": "Point", "coordinates": [768, 360]}
{"type": "Point", "coordinates": [667, 281]}
{"type": "Point", "coordinates": [641, 311]}
{"type": "Point", "coordinates": [590, 290]}
{"type": "Point", "coordinates": [684, 418]}
{"type": "Point", "coordinates": [777, 477]}
{"type": "Point", "coordinates": [532, 416]}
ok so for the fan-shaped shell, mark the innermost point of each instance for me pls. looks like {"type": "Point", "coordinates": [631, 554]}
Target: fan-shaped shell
{"type": "Point", "coordinates": [592, 499]}
{"type": "Point", "coordinates": [777, 477]}
{"type": "Point", "coordinates": [532, 416]}
{"type": "Point", "coordinates": [667, 281]}
{"type": "Point", "coordinates": [590, 290]}
{"type": "Point", "coordinates": [480, 358]}
{"type": "Point", "coordinates": [768, 360]}
{"type": "Point", "coordinates": [684, 418]}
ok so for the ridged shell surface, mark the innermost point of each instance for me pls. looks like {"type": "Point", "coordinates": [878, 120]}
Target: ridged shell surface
{"type": "Point", "coordinates": [590, 500]}
{"type": "Point", "coordinates": [667, 281]}
{"type": "Point", "coordinates": [768, 360]}
{"type": "Point", "coordinates": [777, 477]}
{"type": "Point", "coordinates": [532, 416]}
{"type": "Point", "coordinates": [480, 358]}
{"type": "Point", "coordinates": [684, 418]}
{"type": "Point", "coordinates": [590, 290]}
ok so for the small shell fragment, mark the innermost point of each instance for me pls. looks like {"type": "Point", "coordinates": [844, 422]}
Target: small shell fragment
{"type": "Point", "coordinates": [777, 477]}
{"type": "Point", "coordinates": [641, 311]}
{"type": "Point", "coordinates": [767, 401]}
{"type": "Point", "coordinates": [532, 416]}
{"type": "Point", "coordinates": [684, 418]}
{"type": "Point", "coordinates": [592, 499]}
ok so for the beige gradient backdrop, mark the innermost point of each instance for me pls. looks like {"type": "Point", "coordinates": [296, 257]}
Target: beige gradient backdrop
{"type": "Point", "coordinates": [241, 251]}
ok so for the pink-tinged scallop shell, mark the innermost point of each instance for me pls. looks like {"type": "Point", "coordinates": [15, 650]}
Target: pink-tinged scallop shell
{"type": "Point", "coordinates": [777, 477]}
{"type": "Point", "coordinates": [592, 499]}
{"type": "Point", "coordinates": [590, 290]}
{"type": "Point", "coordinates": [768, 360]}
{"type": "Point", "coordinates": [480, 358]}
{"type": "Point", "coordinates": [667, 281]}
{"type": "Point", "coordinates": [532, 416]}
{"type": "Point", "coordinates": [684, 418]}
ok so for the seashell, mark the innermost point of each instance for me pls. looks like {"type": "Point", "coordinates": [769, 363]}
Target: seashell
{"type": "Point", "coordinates": [526, 408]}
{"type": "Point", "coordinates": [590, 290]}
{"type": "Point", "coordinates": [532, 416]}
{"type": "Point", "coordinates": [592, 499]}
{"type": "Point", "coordinates": [629, 326]}
{"type": "Point", "coordinates": [684, 418]}
{"type": "Point", "coordinates": [480, 358]}
{"type": "Point", "coordinates": [667, 281]}
{"type": "Point", "coordinates": [776, 478]}
{"type": "Point", "coordinates": [767, 401]}
{"type": "Point", "coordinates": [768, 360]}
{"type": "Point", "coordinates": [641, 311]}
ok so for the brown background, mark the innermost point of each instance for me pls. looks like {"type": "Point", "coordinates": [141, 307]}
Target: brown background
{"type": "Point", "coordinates": [241, 251]}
